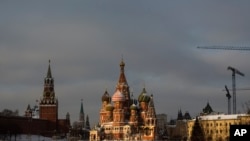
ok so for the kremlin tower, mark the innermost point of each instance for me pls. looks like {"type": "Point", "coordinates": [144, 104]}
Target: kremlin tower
{"type": "Point", "coordinates": [49, 103]}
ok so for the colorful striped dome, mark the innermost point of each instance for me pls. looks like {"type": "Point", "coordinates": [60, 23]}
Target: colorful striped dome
{"type": "Point", "coordinates": [118, 96]}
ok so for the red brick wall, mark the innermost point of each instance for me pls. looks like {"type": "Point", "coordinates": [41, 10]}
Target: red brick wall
{"type": "Point", "coordinates": [48, 112]}
{"type": "Point", "coordinates": [24, 125]}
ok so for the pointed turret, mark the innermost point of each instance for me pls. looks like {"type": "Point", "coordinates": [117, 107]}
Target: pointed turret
{"type": "Point", "coordinates": [49, 75]}
{"type": "Point", "coordinates": [180, 116]}
{"type": "Point", "coordinates": [122, 78]}
{"type": "Point", "coordinates": [87, 122]}
{"type": "Point", "coordinates": [81, 115]}
{"type": "Point", "coordinates": [28, 112]}
{"type": "Point", "coordinates": [122, 84]}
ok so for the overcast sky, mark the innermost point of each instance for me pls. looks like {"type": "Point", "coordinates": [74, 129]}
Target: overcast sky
{"type": "Point", "coordinates": [85, 41]}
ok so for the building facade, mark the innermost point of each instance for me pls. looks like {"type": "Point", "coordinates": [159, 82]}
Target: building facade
{"type": "Point", "coordinates": [177, 129]}
{"type": "Point", "coordinates": [217, 127]}
{"type": "Point", "coordinates": [124, 118]}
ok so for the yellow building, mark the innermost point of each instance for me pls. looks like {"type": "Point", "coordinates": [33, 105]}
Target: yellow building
{"type": "Point", "coordinates": [217, 127]}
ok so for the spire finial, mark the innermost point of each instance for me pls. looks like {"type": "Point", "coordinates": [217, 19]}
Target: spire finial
{"type": "Point", "coordinates": [122, 64]}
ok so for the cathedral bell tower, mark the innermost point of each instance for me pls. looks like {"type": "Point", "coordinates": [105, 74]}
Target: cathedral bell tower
{"type": "Point", "coordinates": [123, 87]}
{"type": "Point", "coordinates": [49, 103]}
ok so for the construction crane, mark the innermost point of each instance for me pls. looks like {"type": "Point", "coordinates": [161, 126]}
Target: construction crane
{"type": "Point", "coordinates": [234, 71]}
{"type": "Point", "coordinates": [228, 97]}
{"type": "Point", "coordinates": [243, 48]}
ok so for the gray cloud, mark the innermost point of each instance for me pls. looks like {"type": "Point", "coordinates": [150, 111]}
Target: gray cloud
{"type": "Point", "coordinates": [86, 40]}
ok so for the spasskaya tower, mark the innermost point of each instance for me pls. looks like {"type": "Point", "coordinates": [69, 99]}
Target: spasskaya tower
{"type": "Point", "coordinates": [48, 104]}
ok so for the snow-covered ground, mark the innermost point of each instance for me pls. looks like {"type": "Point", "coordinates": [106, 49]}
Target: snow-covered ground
{"type": "Point", "coordinates": [32, 138]}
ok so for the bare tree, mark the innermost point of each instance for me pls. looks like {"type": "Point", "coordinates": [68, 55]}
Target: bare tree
{"type": "Point", "coordinates": [246, 107]}
{"type": "Point", "coordinates": [7, 112]}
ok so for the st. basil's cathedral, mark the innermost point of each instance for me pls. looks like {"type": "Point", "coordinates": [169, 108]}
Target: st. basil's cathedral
{"type": "Point", "coordinates": [122, 117]}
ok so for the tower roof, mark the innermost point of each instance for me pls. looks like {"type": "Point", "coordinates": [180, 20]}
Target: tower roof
{"type": "Point", "coordinates": [28, 107]}
{"type": "Point", "coordinates": [49, 74]}
{"type": "Point", "coordinates": [122, 78]}
{"type": "Point", "coordinates": [180, 116]}
{"type": "Point", "coordinates": [208, 109]}
{"type": "Point", "coordinates": [81, 110]}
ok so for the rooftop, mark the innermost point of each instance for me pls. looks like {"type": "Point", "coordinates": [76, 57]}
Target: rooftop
{"type": "Point", "coordinates": [221, 116]}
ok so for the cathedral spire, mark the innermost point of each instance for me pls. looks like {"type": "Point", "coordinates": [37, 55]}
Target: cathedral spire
{"type": "Point", "coordinates": [122, 78]}
{"type": "Point", "coordinates": [123, 87]}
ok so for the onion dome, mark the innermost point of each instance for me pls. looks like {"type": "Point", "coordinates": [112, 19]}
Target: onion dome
{"type": "Point", "coordinates": [109, 107]}
{"type": "Point", "coordinates": [133, 107]}
{"type": "Point", "coordinates": [143, 97]}
{"type": "Point", "coordinates": [118, 96]}
{"type": "Point", "coordinates": [106, 97]}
